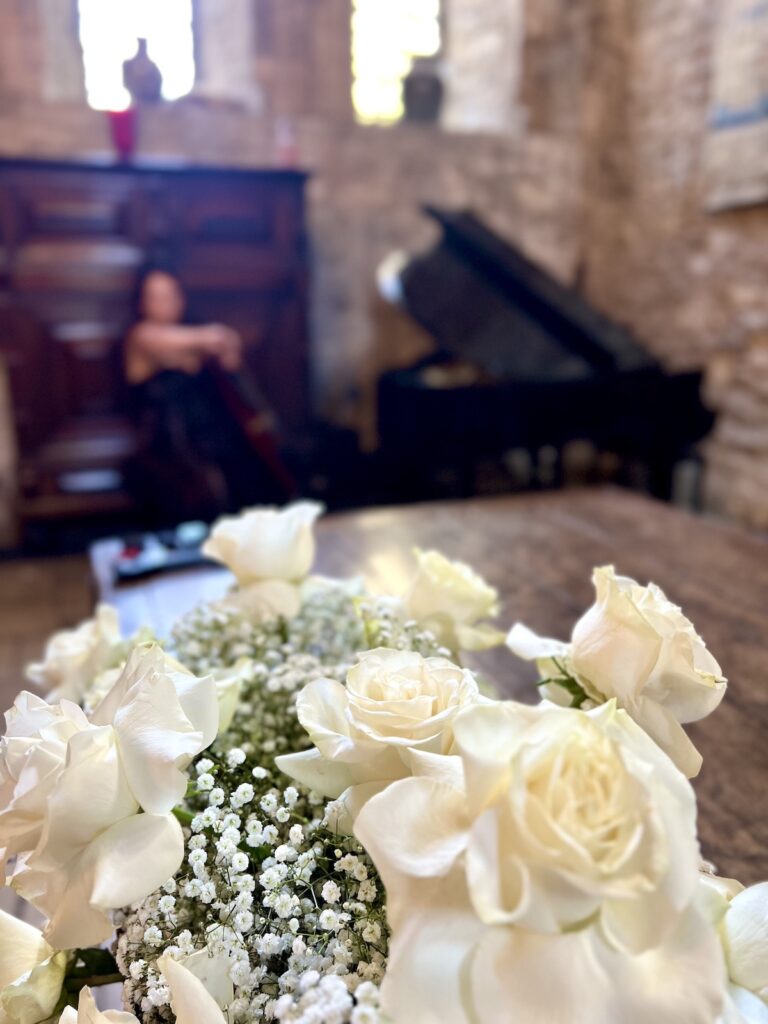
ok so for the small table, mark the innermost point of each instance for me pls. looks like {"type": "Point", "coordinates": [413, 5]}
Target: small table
{"type": "Point", "coordinates": [539, 551]}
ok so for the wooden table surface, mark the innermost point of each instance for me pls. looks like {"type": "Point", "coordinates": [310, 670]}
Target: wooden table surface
{"type": "Point", "coordinates": [539, 550]}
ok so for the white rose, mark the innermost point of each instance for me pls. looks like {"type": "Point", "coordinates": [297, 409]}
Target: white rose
{"type": "Point", "coordinates": [96, 850]}
{"type": "Point", "coordinates": [626, 858]}
{"type": "Point", "coordinates": [162, 716]}
{"type": "Point", "coordinates": [450, 598]}
{"type": "Point", "coordinates": [101, 686]}
{"type": "Point", "coordinates": [74, 657]}
{"type": "Point", "coordinates": [32, 755]}
{"type": "Point", "coordinates": [212, 970]}
{"type": "Point", "coordinates": [87, 1012]}
{"type": "Point", "coordinates": [266, 543]}
{"type": "Point", "coordinates": [190, 1001]}
{"type": "Point", "coordinates": [259, 602]}
{"type": "Point", "coordinates": [551, 878]}
{"type": "Point", "coordinates": [741, 917]}
{"type": "Point", "coordinates": [31, 973]}
{"type": "Point", "coordinates": [229, 684]}
{"type": "Point", "coordinates": [634, 645]}
{"type": "Point", "coordinates": [445, 966]}
{"type": "Point", "coordinates": [396, 710]}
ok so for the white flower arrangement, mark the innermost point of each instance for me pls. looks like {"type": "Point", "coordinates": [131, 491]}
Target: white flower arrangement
{"type": "Point", "coordinates": [309, 811]}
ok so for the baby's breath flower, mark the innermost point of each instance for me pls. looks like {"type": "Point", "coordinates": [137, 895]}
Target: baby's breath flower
{"type": "Point", "coordinates": [331, 892]}
{"type": "Point", "coordinates": [242, 795]}
{"type": "Point", "coordinates": [153, 936]}
{"type": "Point", "coordinates": [239, 862]}
{"type": "Point", "coordinates": [296, 909]}
{"type": "Point", "coordinates": [329, 920]}
{"type": "Point", "coordinates": [268, 803]}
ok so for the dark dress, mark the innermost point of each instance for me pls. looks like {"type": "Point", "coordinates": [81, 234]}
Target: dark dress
{"type": "Point", "coordinates": [194, 459]}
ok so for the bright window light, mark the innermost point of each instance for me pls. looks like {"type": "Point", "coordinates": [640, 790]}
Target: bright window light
{"type": "Point", "coordinates": [386, 36]}
{"type": "Point", "coordinates": [109, 34]}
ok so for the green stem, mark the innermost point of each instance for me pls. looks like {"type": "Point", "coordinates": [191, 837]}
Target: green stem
{"type": "Point", "coordinates": [185, 817]}
{"type": "Point", "coordinates": [93, 981]}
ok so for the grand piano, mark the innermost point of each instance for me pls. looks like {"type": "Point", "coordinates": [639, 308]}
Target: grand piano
{"type": "Point", "coordinates": [522, 363]}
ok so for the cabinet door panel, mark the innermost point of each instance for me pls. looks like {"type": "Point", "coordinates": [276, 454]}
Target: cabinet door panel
{"type": "Point", "coordinates": [72, 204]}
{"type": "Point", "coordinates": [76, 266]}
{"type": "Point", "coordinates": [222, 211]}
{"type": "Point", "coordinates": [90, 358]}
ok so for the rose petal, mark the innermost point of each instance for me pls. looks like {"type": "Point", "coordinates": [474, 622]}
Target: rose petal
{"type": "Point", "coordinates": [89, 796]}
{"type": "Point", "coordinates": [414, 830]}
{"type": "Point", "coordinates": [743, 1007]}
{"type": "Point", "coordinates": [745, 937]}
{"type": "Point", "coordinates": [162, 716]}
{"type": "Point", "coordinates": [87, 1012]}
{"type": "Point", "coordinates": [322, 710]}
{"type": "Point", "coordinates": [530, 647]}
{"type": "Point", "coordinates": [22, 947]}
{"type": "Point", "coordinates": [123, 865]}
{"type": "Point", "coordinates": [427, 977]}
{"type": "Point", "coordinates": [213, 973]}
{"type": "Point", "coordinates": [190, 1000]}
{"type": "Point", "coordinates": [266, 543]}
{"type": "Point", "coordinates": [486, 736]}
{"type": "Point", "coordinates": [311, 769]}
{"type": "Point", "coordinates": [479, 638]}
{"type": "Point", "coordinates": [667, 732]}
{"type": "Point", "coordinates": [135, 857]}
{"type": "Point", "coordinates": [267, 599]}
{"type": "Point", "coordinates": [33, 996]}
{"type": "Point", "coordinates": [528, 978]}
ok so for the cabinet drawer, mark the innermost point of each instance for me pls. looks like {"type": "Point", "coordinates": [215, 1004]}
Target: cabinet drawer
{"type": "Point", "coordinates": [71, 204]}
{"type": "Point", "coordinates": [231, 210]}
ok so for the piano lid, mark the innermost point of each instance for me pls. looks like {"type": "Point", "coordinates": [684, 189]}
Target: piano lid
{"type": "Point", "coordinates": [485, 302]}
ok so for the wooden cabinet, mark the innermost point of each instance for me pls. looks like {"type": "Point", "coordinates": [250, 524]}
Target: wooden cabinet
{"type": "Point", "coordinates": [74, 239]}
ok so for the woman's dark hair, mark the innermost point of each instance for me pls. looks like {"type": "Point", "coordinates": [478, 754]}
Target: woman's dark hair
{"type": "Point", "coordinates": [156, 263]}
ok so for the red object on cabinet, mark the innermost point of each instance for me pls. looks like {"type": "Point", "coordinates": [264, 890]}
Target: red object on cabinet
{"type": "Point", "coordinates": [123, 129]}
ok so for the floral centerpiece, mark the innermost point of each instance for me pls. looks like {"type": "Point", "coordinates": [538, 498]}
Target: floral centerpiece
{"type": "Point", "coordinates": [303, 807]}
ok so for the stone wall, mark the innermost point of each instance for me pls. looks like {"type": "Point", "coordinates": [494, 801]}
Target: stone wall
{"type": "Point", "coordinates": [690, 283]}
{"type": "Point", "coordinates": [632, 81]}
{"type": "Point", "coordinates": [481, 67]}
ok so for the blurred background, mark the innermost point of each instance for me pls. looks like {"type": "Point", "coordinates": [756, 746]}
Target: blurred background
{"type": "Point", "coordinates": [377, 251]}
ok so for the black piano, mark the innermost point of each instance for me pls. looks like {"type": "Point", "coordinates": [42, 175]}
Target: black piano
{"type": "Point", "coordinates": [523, 362]}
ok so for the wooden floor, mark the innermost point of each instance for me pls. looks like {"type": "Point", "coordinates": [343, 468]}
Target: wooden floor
{"type": "Point", "coordinates": [37, 597]}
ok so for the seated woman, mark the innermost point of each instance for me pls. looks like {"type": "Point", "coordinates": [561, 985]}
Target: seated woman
{"type": "Point", "coordinates": [196, 459]}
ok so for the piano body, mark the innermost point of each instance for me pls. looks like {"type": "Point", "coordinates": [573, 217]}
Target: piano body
{"type": "Point", "coordinates": [523, 362]}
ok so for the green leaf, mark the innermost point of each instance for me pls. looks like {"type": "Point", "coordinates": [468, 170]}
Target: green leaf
{"type": "Point", "coordinates": [88, 962]}
{"type": "Point", "coordinates": [567, 682]}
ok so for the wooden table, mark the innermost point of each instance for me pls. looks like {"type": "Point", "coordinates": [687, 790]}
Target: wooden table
{"type": "Point", "coordinates": [539, 550]}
